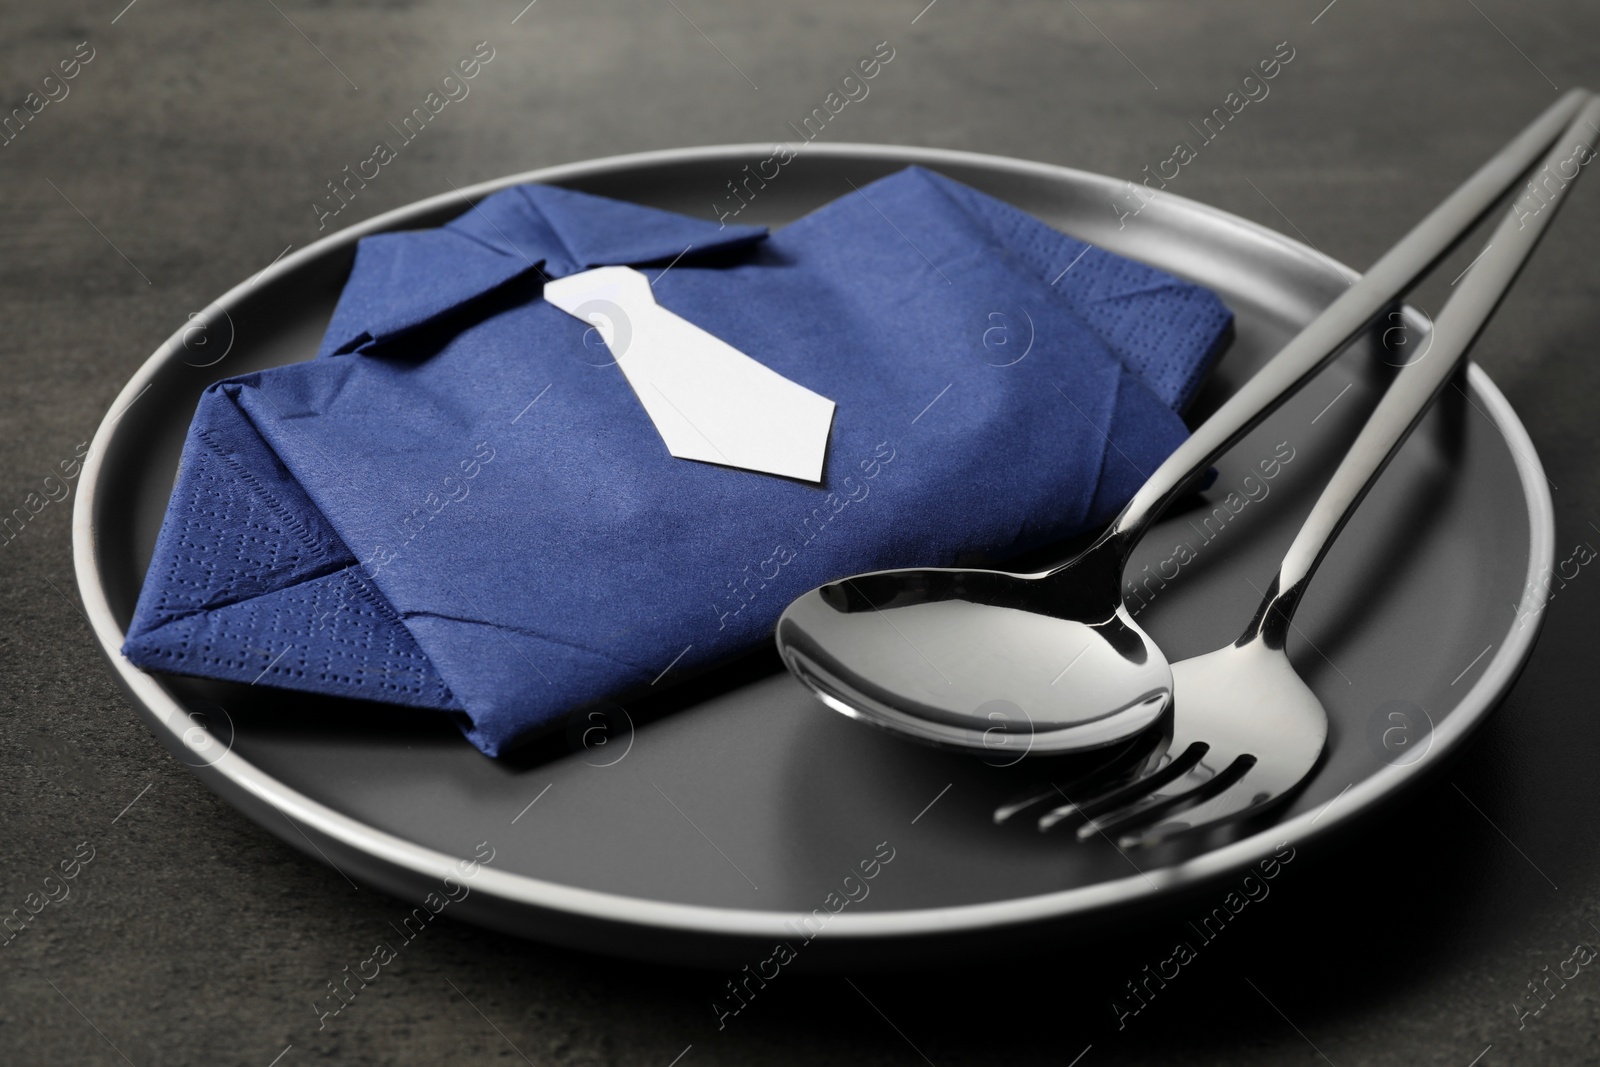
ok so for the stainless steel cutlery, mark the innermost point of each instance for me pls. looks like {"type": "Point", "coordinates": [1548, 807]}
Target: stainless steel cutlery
{"type": "Point", "coordinates": [930, 652]}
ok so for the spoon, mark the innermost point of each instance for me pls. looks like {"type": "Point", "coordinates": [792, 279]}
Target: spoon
{"type": "Point", "coordinates": [988, 660]}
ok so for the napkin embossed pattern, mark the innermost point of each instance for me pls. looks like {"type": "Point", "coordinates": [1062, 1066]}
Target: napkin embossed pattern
{"type": "Point", "coordinates": [461, 505]}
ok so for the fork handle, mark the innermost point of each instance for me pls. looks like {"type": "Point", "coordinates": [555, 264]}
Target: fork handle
{"type": "Point", "coordinates": [1414, 388]}
{"type": "Point", "coordinates": [1342, 321]}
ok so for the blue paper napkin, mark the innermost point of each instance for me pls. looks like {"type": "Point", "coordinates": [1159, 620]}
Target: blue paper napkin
{"type": "Point", "coordinates": [461, 504]}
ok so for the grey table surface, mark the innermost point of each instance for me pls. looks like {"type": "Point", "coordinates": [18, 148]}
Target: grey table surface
{"type": "Point", "coordinates": [188, 152]}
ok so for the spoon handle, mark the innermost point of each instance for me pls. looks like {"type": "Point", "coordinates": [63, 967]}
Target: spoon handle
{"type": "Point", "coordinates": [1342, 321]}
{"type": "Point", "coordinates": [1415, 387]}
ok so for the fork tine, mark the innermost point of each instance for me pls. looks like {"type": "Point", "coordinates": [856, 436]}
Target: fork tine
{"type": "Point", "coordinates": [1117, 824]}
{"type": "Point", "coordinates": [1229, 806]}
{"type": "Point", "coordinates": [1132, 758]}
{"type": "Point", "coordinates": [1023, 801]}
{"type": "Point", "coordinates": [1129, 792]}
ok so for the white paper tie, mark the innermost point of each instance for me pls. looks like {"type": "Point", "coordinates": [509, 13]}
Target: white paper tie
{"type": "Point", "coordinates": [708, 400]}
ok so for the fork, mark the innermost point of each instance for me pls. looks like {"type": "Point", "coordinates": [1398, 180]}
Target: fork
{"type": "Point", "coordinates": [1245, 728]}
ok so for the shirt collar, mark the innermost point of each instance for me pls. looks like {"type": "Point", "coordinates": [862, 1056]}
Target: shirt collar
{"type": "Point", "coordinates": [402, 280]}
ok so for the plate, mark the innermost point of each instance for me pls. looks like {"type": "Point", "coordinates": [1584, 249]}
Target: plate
{"type": "Point", "coordinates": [737, 811]}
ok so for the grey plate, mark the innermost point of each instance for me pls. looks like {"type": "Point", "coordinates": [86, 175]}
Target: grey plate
{"type": "Point", "coordinates": [1409, 638]}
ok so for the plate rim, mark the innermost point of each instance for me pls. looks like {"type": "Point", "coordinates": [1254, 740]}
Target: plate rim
{"type": "Point", "coordinates": [231, 775]}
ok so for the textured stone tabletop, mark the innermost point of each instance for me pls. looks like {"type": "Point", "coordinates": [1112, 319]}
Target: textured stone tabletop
{"type": "Point", "coordinates": [196, 141]}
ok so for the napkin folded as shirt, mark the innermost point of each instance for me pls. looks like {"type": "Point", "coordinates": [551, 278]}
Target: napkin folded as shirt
{"type": "Point", "coordinates": [461, 505]}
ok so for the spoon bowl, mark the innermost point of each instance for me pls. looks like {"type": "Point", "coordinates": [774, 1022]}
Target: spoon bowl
{"type": "Point", "coordinates": [981, 659]}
